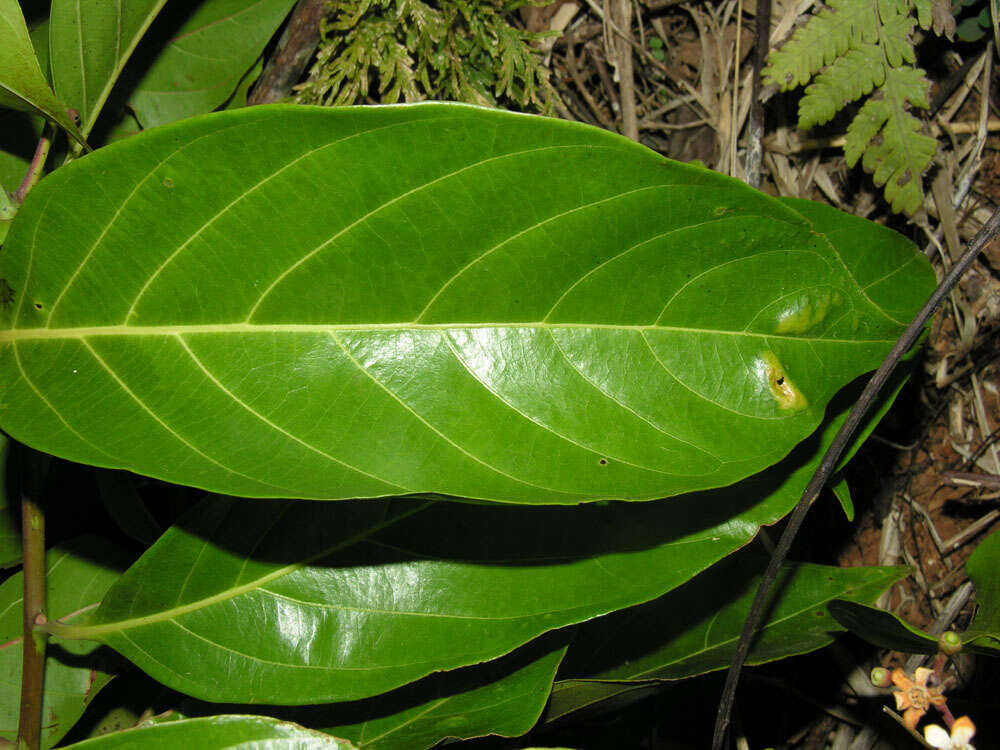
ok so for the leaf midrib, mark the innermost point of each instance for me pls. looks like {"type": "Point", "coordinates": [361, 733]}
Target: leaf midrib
{"type": "Point", "coordinates": [84, 332]}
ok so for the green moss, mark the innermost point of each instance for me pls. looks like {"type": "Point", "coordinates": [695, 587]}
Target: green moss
{"type": "Point", "coordinates": [409, 50]}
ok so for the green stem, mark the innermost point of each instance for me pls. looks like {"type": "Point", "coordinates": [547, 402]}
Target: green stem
{"type": "Point", "coordinates": [29, 730]}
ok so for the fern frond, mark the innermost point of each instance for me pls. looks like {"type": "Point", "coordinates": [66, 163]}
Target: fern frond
{"type": "Point", "coordinates": [827, 36]}
{"type": "Point", "coordinates": [888, 140]}
{"type": "Point", "coordinates": [852, 76]}
{"type": "Point", "coordinates": [864, 48]}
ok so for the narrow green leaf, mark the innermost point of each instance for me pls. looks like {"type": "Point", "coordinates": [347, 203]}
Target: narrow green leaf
{"type": "Point", "coordinates": [89, 43]}
{"type": "Point", "coordinates": [387, 592]}
{"type": "Point", "coordinates": [843, 494]}
{"type": "Point", "coordinates": [694, 629]}
{"type": "Point", "coordinates": [217, 733]}
{"type": "Point", "coordinates": [22, 83]}
{"type": "Point", "coordinates": [203, 63]}
{"type": "Point", "coordinates": [503, 697]}
{"type": "Point", "coordinates": [483, 305]}
{"type": "Point", "coordinates": [79, 573]}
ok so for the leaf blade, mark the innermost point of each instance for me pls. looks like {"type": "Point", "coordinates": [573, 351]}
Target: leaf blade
{"type": "Point", "coordinates": [200, 67]}
{"type": "Point", "coordinates": [602, 333]}
{"type": "Point", "coordinates": [22, 83]}
{"type": "Point", "coordinates": [89, 46]}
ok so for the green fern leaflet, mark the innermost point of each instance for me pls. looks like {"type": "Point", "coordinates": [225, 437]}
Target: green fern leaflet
{"type": "Point", "coordinates": [864, 48]}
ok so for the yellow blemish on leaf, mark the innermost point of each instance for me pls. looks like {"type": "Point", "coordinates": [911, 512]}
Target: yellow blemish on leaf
{"type": "Point", "coordinates": [804, 317]}
{"type": "Point", "coordinates": [786, 395]}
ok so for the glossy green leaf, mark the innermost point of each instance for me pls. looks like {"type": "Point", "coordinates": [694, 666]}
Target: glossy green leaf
{"type": "Point", "coordinates": [22, 83]}
{"type": "Point", "coordinates": [78, 575]}
{"type": "Point", "coordinates": [345, 601]}
{"type": "Point", "coordinates": [483, 305]}
{"type": "Point", "coordinates": [842, 492]}
{"type": "Point", "coordinates": [89, 44]}
{"type": "Point", "coordinates": [209, 54]}
{"type": "Point", "coordinates": [217, 733]}
{"type": "Point", "coordinates": [694, 630]}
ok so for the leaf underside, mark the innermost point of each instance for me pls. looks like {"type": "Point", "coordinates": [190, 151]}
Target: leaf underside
{"type": "Point", "coordinates": [299, 302]}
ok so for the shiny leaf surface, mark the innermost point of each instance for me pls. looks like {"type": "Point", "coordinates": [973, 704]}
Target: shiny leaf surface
{"type": "Point", "coordinates": [217, 733]}
{"type": "Point", "coordinates": [74, 670]}
{"type": "Point", "coordinates": [204, 61]}
{"type": "Point", "coordinates": [22, 83]}
{"type": "Point", "coordinates": [482, 305]}
{"type": "Point", "coordinates": [89, 44]}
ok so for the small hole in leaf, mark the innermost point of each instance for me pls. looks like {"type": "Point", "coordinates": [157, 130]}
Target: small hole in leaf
{"type": "Point", "coordinates": [38, 305]}
{"type": "Point", "coordinates": [603, 462]}
{"type": "Point", "coordinates": [780, 381]}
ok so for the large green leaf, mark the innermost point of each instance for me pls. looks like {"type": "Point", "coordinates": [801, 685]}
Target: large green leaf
{"type": "Point", "coordinates": [78, 576]}
{"type": "Point", "coordinates": [217, 733]}
{"type": "Point", "coordinates": [89, 44]}
{"type": "Point", "coordinates": [22, 82]}
{"type": "Point", "coordinates": [203, 63]}
{"type": "Point", "coordinates": [694, 629]}
{"type": "Point", "coordinates": [479, 304]}
{"type": "Point", "coordinates": [304, 602]}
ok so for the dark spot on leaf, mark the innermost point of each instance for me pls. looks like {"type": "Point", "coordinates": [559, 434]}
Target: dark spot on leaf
{"type": "Point", "coordinates": [829, 579]}
{"type": "Point", "coordinates": [38, 305]}
{"type": "Point", "coordinates": [167, 182]}
{"type": "Point", "coordinates": [789, 79]}
{"type": "Point", "coordinates": [6, 293]}
{"type": "Point", "coordinates": [603, 462]}
{"type": "Point", "coordinates": [819, 613]}
{"type": "Point", "coordinates": [904, 178]}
